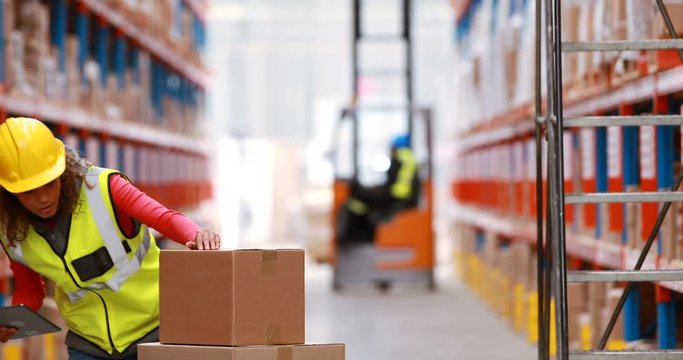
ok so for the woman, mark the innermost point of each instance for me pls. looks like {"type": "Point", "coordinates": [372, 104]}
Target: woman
{"type": "Point", "coordinates": [84, 228]}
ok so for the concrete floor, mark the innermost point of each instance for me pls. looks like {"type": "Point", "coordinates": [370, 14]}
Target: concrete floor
{"type": "Point", "coordinates": [408, 324]}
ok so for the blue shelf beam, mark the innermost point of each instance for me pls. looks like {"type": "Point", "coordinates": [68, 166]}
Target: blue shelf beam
{"type": "Point", "coordinates": [83, 33]}
{"type": "Point", "coordinates": [134, 58]}
{"type": "Point", "coordinates": [120, 56]}
{"type": "Point", "coordinates": [102, 50]}
{"type": "Point", "coordinates": [600, 172]}
{"type": "Point", "coordinates": [631, 178]}
{"type": "Point", "coordinates": [58, 29]}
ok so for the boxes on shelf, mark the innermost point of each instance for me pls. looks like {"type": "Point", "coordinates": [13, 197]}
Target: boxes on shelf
{"type": "Point", "coordinates": [92, 96]}
{"type": "Point", "coordinates": [34, 23]}
{"type": "Point", "coordinates": [52, 83]}
{"type": "Point", "coordinates": [242, 297]}
{"type": "Point", "coordinates": [615, 20]}
{"type": "Point", "coordinates": [571, 33]}
{"type": "Point", "coordinates": [73, 72]}
{"type": "Point", "coordinates": [157, 351]}
{"type": "Point", "coordinates": [32, 68]}
{"type": "Point", "coordinates": [8, 19]}
{"type": "Point", "coordinates": [606, 233]}
{"type": "Point", "coordinates": [576, 306]}
{"type": "Point", "coordinates": [673, 8]}
{"type": "Point", "coordinates": [14, 64]}
{"type": "Point", "coordinates": [633, 222]}
{"type": "Point", "coordinates": [113, 99]}
{"type": "Point", "coordinates": [616, 339]}
{"type": "Point", "coordinates": [597, 300]}
{"type": "Point", "coordinates": [669, 233]}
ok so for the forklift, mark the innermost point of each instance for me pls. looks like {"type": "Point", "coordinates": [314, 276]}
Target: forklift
{"type": "Point", "coordinates": [382, 251]}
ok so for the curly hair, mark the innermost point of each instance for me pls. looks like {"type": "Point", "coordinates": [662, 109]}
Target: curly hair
{"type": "Point", "coordinates": [15, 219]}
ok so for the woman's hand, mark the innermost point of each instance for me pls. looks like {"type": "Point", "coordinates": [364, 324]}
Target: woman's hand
{"type": "Point", "coordinates": [6, 333]}
{"type": "Point", "coordinates": [205, 239]}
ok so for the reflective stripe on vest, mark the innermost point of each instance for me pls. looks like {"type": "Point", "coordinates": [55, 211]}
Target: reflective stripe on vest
{"type": "Point", "coordinates": [108, 230]}
{"type": "Point", "coordinates": [402, 187]}
{"type": "Point", "coordinates": [17, 253]}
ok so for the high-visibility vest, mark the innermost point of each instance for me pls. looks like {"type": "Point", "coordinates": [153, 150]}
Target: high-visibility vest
{"type": "Point", "coordinates": [402, 188]}
{"type": "Point", "coordinates": [107, 284]}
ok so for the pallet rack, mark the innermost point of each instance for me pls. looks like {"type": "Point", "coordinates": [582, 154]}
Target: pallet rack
{"type": "Point", "coordinates": [499, 202]}
{"type": "Point", "coordinates": [140, 112]}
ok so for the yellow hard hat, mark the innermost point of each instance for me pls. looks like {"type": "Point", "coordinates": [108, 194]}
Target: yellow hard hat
{"type": "Point", "coordinates": [30, 155]}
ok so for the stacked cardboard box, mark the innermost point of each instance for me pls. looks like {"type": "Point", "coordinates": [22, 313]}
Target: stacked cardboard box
{"type": "Point", "coordinates": [243, 304]}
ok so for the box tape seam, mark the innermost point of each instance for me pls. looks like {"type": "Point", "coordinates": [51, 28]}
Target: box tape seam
{"type": "Point", "coordinates": [285, 352]}
{"type": "Point", "coordinates": [268, 262]}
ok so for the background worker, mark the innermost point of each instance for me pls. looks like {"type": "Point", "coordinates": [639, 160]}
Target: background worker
{"type": "Point", "coordinates": [368, 206]}
{"type": "Point", "coordinates": [86, 229]}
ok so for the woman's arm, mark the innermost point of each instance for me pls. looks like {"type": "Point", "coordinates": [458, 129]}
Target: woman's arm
{"type": "Point", "coordinates": [131, 203]}
{"type": "Point", "coordinates": [29, 288]}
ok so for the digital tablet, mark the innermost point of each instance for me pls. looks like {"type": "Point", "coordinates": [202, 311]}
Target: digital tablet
{"type": "Point", "coordinates": [26, 321]}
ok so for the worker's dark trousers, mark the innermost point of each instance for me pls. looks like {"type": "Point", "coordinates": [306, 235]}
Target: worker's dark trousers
{"type": "Point", "coordinates": [353, 228]}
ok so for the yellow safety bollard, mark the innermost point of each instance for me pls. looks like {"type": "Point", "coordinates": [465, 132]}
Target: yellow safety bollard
{"type": "Point", "coordinates": [492, 284]}
{"type": "Point", "coordinates": [507, 298]}
{"type": "Point", "coordinates": [586, 332]}
{"type": "Point", "coordinates": [553, 339]}
{"type": "Point", "coordinates": [490, 280]}
{"type": "Point", "coordinates": [480, 278]}
{"type": "Point", "coordinates": [533, 318]}
{"type": "Point", "coordinates": [467, 269]}
{"type": "Point", "coordinates": [475, 266]}
{"type": "Point", "coordinates": [459, 265]}
{"type": "Point", "coordinates": [533, 322]}
{"type": "Point", "coordinates": [519, 307]}
{"type": "Point", "coordinates": [12, 351]}
{"type": "Point", "coordinates": [616, 345]}
{"type": "Point", "coordinates": [49, 347]}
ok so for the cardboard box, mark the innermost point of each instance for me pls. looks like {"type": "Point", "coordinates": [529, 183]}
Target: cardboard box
{"type": "Point", "coordinates": [597, 298]}
{"type": "Point", "coordinates": [613, 296]}
{"type": "Point", "coordinates": [576, 305]}
{"type": "Point", "coordinates": [511, 56]}
{"type": "Point", "coordinates": [675, 11]}
{"type": "Point", "coordinates": [232, 298]}
{"type": "Point", "coordinates": [157, 351]}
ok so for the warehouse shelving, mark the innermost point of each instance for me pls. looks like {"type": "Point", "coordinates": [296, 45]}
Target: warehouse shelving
{"type": "Point", "coordinates": [519, 121]}
{"type": "Point", "coordinates": [159, 48]}
{"type": "Point", "coordinates": [583, 246]}
{"type": "Point", "coordinates": [122, 87]}
{"type": "Point", "coordinates": [82, 120]}
{"type": "Point", "coordinates": [490, 183]}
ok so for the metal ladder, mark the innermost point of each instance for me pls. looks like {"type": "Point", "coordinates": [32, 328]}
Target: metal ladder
{"type": "Point", "coordinates": [551, 266]}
